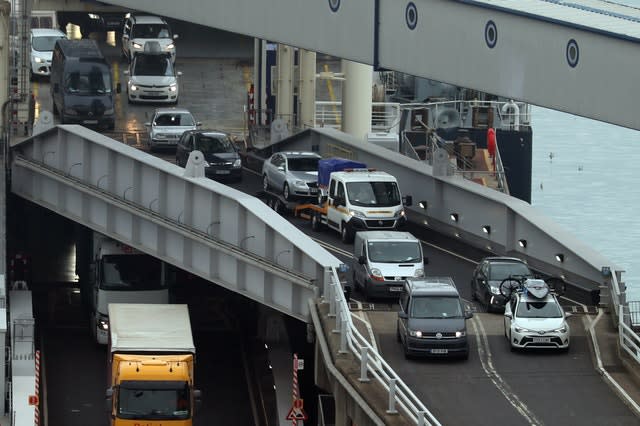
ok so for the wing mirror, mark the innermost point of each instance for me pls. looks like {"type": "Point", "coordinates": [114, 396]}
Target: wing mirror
{"type": "Point", "coordinates": [407, 200]}
{"type": "Point", "coordinates": [402, 315]}
{"type": "Point", "coordinates": [362, 260]}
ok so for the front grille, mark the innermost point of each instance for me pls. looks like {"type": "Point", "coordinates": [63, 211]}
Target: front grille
{"type": "Point", "coordinates": [154, 97]}
{"type": "Point", "coordinates": [312, 184]}
{"type": "Point", "coordinates": [380, 223]}
{"type": "Point", "coordinates": [445, 335]}
{"type": "Point", "coordinates": [394, 278]}
{"type": "Point", "coordinates": [528, 341]}
{"type": "Point", "coordinates": [146, 86]}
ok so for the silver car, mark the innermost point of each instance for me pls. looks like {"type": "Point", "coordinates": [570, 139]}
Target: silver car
{"type": "Point", "coordinates": [295, 174]}
{"type": "Point", "coordinates": [167, 125]}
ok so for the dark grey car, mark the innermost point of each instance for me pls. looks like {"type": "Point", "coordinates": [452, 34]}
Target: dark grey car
{"type": "Point", "coordinates": [220, 153]}
{"type": "Point", "coordinates": [486, 279]}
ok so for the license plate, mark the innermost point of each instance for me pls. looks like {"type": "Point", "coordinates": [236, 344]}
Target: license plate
{"type": "Point", "coordinates": [542, 340]}
{"type": "Point", "coordinates": [440, 351]}
{"type": "Point", "coordinates": [90, 121]}
{"type": "Point", "coordinates": [395, 288]}
{"type": "Point", "coordinates": [222, 172]}
{"type": "Point", "coordinates": [313, 191]}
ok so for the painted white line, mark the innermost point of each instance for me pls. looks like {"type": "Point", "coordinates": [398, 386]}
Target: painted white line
{"type": "Point", "coordinates": [485, 356]}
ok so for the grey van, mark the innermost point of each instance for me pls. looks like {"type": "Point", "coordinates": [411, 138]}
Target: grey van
{"type": "Point", "coordinates": [432, 319]}
{"type": "Point", "coordinates": [81, 84]}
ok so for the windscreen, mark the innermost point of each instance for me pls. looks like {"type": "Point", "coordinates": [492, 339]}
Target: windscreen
{"type": "Point", "coordinates": [154, 65]}
{"type": "Point", "coordinates": [88, 79]}
{"type": "Point", "coordinates": [131, 272]}
{"type": "Point", "coordinates": [538, 309]}
{"type": "Point", "coordinates": [436, 307]}
{"type": "Point", "coordinates": [161, 403]}
{"type": "Point", "coordinates": [214, 144]}
{"type": "Point", "coordinates": [501, 271]}
{"type": "Point", "coordinates": [150, 31]}
{"type": "Point", "coordinates": [309, 164]}
{"type": "Point", "coordinates": [373, 194]}
{"type": "Point", "coordinates": [177, 119]}
{"type": "Point", "coordinates": [44, 43]}
{"type": "Point", "coordinates": [394, 251]}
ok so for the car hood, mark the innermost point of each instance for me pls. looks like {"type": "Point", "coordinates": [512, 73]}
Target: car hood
{"type": "Point", "coordinates": [173, 130]}
{"type": "Point", "coordinates": [163, 42]}
{"type": "Point", "coordinates": [305, 176]}
{"type": "Point", "coordinates": [402, 270]}
{"type": "Point", "coordinates": [437, 325]}
{"type": "Point", "coordinates": [152, 80]}
{"type": "Point", "coordinates": [539, 324]}
{"type": "Point", "coordinates": [220, 157]}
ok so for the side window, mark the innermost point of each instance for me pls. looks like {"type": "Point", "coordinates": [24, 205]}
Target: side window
{"type": "Point", "coordinates": [191, 142]}
{"type": "Point", "coordinates": [485, 269]}
{"type": "Point", "coordinates": [404, 301]}
{"type": "Point", "coordinates": [183, 139]}
{"type": "Point", "coordinates": [332, 188]}
{"type": "Point", "coordinates": [340, 192]}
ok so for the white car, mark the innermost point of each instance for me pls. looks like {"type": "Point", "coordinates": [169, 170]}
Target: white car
{"type": "Point", "coordinates": [152, 78]}
{"type": "Point", "coordinates": [42, 42]}
{"type": "Point", "coordinates": [138, 30]}
{"type": "Point", "coordinates": [533, 318]}
{"type": "Point", "coordinates": [167, 125]}
{"type": "Point", "coordinates": [294, 174]}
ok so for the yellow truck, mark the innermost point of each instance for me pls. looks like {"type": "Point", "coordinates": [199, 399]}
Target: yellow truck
{"type": "Point", "coordinates": [151, 366]}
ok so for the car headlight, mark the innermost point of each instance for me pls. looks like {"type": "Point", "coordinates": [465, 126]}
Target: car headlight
{"type": "Point", "coordinates": [70, 111]}
{"type": "Point", "coordinates": [376, 274]}
{"type": "Point", "coordinates": [562, 329]}
{"type": "Point", "coordinates": [461, 333]}
{"type": "Point", "coordinates": [173, 87]}
{"type": "Point", "coordinates": [237, 163]}
{"type": "Point", "coordinates": [495, 289]}
{"type": "Point", "coordinates": [133, 87]}
{"type": "Point", "coordinates": [93, 16]}
{"type": "Point", "coordinates": [402, 213]}
{"type": "Point", "coordinates": [38, 60]}
{"type": "Point", "coordinates": [299, 183]}
{"type": "Point", "coordinates": [135, 45]}
{"type": "Point", "coordinates": [415, 333]}
{"type": "Point", "coordinates": [418, 273]}
{"type": "Point", "coordinates": [356, 213]}
{"type": "Point", "coordinates": [170, 46]}
{"type": "Point", "coordinates": [521, 330]}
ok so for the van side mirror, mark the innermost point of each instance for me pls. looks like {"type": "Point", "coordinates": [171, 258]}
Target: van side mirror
{"type": "Point", "coordinates": [407, 200]}
{"type": "Point", "coordinates": [175, 36]}
{"type": "Point", "coordinates": [179, 73]}
{"type": "Point", "coordinates": [402, 315]}
{"type": "Point", "coordinates": [468, 314]}
{"type": "Point", "coordinates": [425, 260]}
{"type": "Point", "coordinates": [108, 395]}
{"type": "Point", "coordinates": [362, 260]}
{"type": "Point", "coordinates": [508, 315]}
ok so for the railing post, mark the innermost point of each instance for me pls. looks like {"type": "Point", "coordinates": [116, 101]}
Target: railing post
{"type": "Point", "coordinates": [392, 397]}
{"type": "Point", "coordinates": [621, 326]}
{"type": "Point", "coordinates": [345, 334]}
{"type": "Point", "coordinates": [331, 299]}
{"type": "Point", "coordinates": [364, 361]}
{"type": "Point", "coordinates": [421, 421]}
{"type": "Point", "coordinates": [338, 314]}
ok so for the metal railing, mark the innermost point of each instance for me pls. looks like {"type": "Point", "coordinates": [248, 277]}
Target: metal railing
{"type": "Point", "coordinates": [385, 116]}
{"type": "Point", "coordinates": [372, 364]}
{"type": "Point", "coordinates": [626, 315]}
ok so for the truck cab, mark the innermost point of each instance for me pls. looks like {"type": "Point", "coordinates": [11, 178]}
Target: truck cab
{"type": "Point", "coordinates": [363, 200]}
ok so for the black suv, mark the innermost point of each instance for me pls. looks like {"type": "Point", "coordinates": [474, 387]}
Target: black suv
{"type": "Point", "coordinates": [490, 272]}
{"type": "Point", "coordinates": [221, 156]}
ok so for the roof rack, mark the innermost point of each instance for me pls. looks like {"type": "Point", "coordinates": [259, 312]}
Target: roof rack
{"type": "Point", "coordinates": [535, 287]}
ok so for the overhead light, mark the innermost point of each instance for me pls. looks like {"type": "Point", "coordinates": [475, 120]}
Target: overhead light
{"type": "Point", "coordinates": [486, 229]}
{"type": "Point", "coordinates": [423, 205]}
{"type": "Point", "coordinates": [454, 217]}
{"type": "Point", "coordinates": [522, 243]}
{"type": "Point", "coordinates": [560, 257]}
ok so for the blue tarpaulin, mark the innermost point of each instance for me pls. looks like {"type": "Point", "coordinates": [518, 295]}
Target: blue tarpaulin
{"type": "Point", "coordinates": [328, 165]}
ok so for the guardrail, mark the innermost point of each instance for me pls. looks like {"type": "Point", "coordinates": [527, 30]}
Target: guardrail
{"type": "Point", "coordinates": [371, 362]}
{"type": "Point", "coordinates": [626, 316]}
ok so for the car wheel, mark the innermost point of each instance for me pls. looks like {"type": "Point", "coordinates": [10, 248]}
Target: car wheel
{"type": "Point", "coordinates": [345, 234]}
{"type": "Point", "coordinates": [511, 347]}
{"type": "Point", "coordinates": [265, 182]}
{"type": "Point", "coordinates": [488, 305]}
{"type": "Point", "coordinates": [285, 192]}
{"type": "Point", "coordinates": [407, 355]}
{"type": "Point", "coordinates": [398, 338]}
{"type": "Point", "coordinates": [355, 282]}
{"type": "Point", "coordinates": [316, 222]}
{"type": "Point", "coordinates": [365, 289]}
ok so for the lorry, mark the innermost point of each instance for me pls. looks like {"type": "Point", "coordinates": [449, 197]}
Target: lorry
{"type": "Point", "coordinates": [352, 197]}
{"type": "Point", "coordinates": [151, 365]}
{"type": "Point", "coordinates": [384, 260]}
{"type": "Point", "coordinates": [118, 273]}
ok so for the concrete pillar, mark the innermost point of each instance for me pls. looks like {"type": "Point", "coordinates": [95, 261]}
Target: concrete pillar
{"type": "Point", "coordinates": [307, 89]}
{"type": "Point", "coordinates": [356, 99]}
{"type": "Point", "coordinates": [5, 11]}
{"type": "Point", "coordinates": [284, 95]}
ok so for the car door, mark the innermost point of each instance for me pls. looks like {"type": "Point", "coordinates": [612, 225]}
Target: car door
{"type": "Point", "coordinates": [509, 314]}
{"type": "Point", "coordinates": [361, 269]}
{"type": "Point", "coordinates": [277, 172]}
{"type": "Point", "coordinates": [403, 316]}
{"type": "Point", "coordinates": [182, 149]}
{"type": "Point", "coordinates": [336, 193]}
{"type": "Point", "coordinates": [482, 282]}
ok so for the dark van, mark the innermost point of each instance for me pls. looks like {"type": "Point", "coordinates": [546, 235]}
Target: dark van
{"type": "Point", "coordinates": [81, 84]}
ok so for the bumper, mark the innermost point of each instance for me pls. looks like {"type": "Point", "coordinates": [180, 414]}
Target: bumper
{"type": "Point", "coordinates": [359, 224]}
{"type": "Point", "coordinates": [223, 173]}
{"type": "Point", "coordinates": [429, 347]}
{"type": "Point", "coordinates": [90, 121]}
{"type": "Point", "coordinates": [384, 289]}
{"type": "Point", "coordinates": [169, 143]}
{"type": "Point", "coordinates": [544, 341]}
{"type": "Point", "coordinates": [43, 69]}
{"type": "Point", "coordinates": [158, 96]}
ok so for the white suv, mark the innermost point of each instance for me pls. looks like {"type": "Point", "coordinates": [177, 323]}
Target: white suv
{"type": "Point", "coordinates": [138, 30]}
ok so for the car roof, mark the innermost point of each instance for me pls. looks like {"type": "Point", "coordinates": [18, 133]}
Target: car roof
{"type": "Point", "coordinates": [504, 259]}
{"type": "Point", "coordinates": [209, 132]}
{"type": "Point", "coordinates": [386, 236]}
{"type": "Point", "coordinates": [46, 32]}
{"type": "Point", "coordinates": [170, 110]}
{"type": "Point", "coordinates": [299, 154]}
{"type": "Point", "coordinates": [148, 19]}
{"type": "Point", "coordinates": [432, 286]}
{"type": "Point", "coordinates": [526, 297]}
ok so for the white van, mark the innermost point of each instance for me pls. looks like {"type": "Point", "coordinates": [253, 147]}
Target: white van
{"type": "Point", "coordinates": [384, 259]}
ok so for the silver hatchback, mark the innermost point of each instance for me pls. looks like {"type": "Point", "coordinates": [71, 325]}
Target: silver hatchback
{"type": "Point", "coordinates": [294, 174]}
{"type": "Point", "coordinates": [167, 125]}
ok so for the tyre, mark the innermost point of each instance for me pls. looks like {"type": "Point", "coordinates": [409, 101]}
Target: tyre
{"type": "Point", "coordinates": [285, 192]}
{"type": "Point", "coordinates": [316, 222]}
{"type": "Point", "coordinates": [474, 296]}
{"type": "Point", "coordinates": [345, 234]}
{"type": "Point", "coordinates": [398, 338]}
{"type": "Point", "coordinates": [265, 182]}
{"type": "Point", "coordinates": [365, 290]}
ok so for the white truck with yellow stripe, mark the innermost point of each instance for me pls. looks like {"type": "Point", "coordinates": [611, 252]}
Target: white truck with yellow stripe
{"type": "Point", "coordinates": [356, 199]}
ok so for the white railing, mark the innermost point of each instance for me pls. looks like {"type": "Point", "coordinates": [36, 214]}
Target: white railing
{"type": "Point", "coordinates": [372, 364]}
{"type": "Point", "coordinates": [385, 116]}
{"type": "Point", "coordinates": [626, 315]}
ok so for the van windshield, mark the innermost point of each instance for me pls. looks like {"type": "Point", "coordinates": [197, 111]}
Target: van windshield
{"type": "Point", "coordinates": [373, 194]}
{"type": "Point", "coordinates": [435, 307]}
{"type": "Point", "coordinates": [394, 251]}
{"type": "Point", "coordinates": [154, 400]}
{"type": "Point", "coordinates": [157, 65]}
{"type": "Point", "coordinates": [126, 272]}
{"type": "Point", "coordinates": [88, 79]}
{"type": "Point", "coordinates": [44, 43]}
